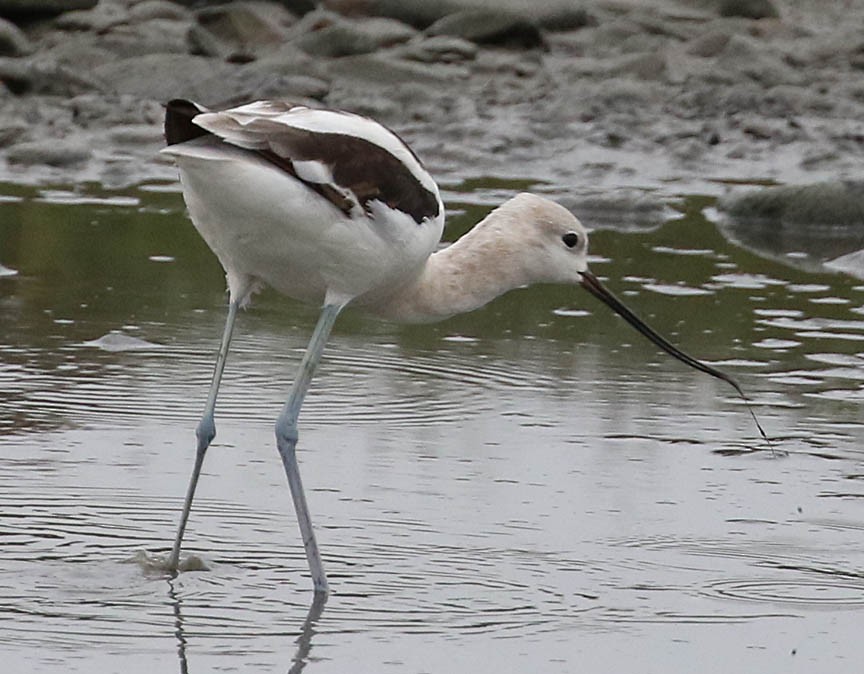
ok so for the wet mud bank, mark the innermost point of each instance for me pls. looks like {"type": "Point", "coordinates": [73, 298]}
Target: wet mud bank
{"type": "Point", "coordinates": [632, 102]}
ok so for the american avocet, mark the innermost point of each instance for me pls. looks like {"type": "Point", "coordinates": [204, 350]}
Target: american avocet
{"type": "Point", "coordinates": [333, 208]}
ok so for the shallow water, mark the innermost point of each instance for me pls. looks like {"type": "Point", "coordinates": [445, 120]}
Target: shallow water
{"type": "Point", "coordinates": [529, 488]}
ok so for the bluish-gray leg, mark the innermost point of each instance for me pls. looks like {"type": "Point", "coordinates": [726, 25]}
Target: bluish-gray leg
{"type": "Point", "coordinates": [286, 440]}
{"type": "Point", "coordinates": [205, 432]}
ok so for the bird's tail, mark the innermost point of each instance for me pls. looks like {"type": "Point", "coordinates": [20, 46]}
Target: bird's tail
{"type": "Point", "coordinates": [179, 126]}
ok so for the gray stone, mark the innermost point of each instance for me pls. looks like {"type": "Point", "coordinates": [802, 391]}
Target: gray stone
{"type": "Point", "coordinates": [12, 41]}
{"type": "Point", "coordinates": [381, 69]}
{"type": "Point", "coordinates": [157, 9]}
{"type": "Point", "coordinates": [295, 88]}
{"type": "Point", "coordinates": [113, 111]}
{"type": "Point", "coordinates": [49, 152]}
{"type": "Point", "coordinates": [96, 20]}
{"type": "Point", "coordinates": [299, 7]}
{"type": "Point", "coordinates": [76, 51]}
{"type": "Point", "coordinates": [647, 66]}
{"type": "Point", "coordinates": [629, 209]}
{"type": "Point", "coordinates": [196, 77]}
{"type": "Point", "coordinates": [240, 31]}
{"type": "Point", "coordinates": [13, 131]}
{"type": "Point", "coordinates": [287, 61]}
{"type": "Point", "coordinates": [135, 134]}
{"type": "Point", "coordinates": [708, 44]}
{"type": "Point", "coordinates": [749, 9]}
{"type": "Point", "coordinates": [347, 38]}
{"type": "Point", "coordinates": [830, 203]}
{"type": "Point", "coordinates": [756, 61]}
{"type": "Point", "coordinates": [209, 81]}
{"type": "Point", "coordinates": [418, 13]}
{"type": "Point", "coordinates": [29, 76]}
{"type": "Point", "coordinates": [561, 18]}
{"type": "Point", "coordinates": [489, 27]}
{"type": "Point", "coordinates": [439, 49]}
{"type": "Point", "coordinates": [30, 8]}
{"type": "Point", "coordinates": [156, 36]}
{"type": "Point", "coordinates": [296, 7]}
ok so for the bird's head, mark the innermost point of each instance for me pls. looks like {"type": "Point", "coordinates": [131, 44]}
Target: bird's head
{"type": "Point", "coordinates": [555, 250]}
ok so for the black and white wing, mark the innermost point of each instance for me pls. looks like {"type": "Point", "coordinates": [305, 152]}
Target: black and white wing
{"type": "Point", "coordinates": [349, 160]}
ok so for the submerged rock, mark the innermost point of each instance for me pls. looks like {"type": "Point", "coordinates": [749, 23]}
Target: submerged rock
{"type": "Point", "coordinates": [829, 203]}
{"type": "Point", "coordinates": [851, 263]}
{"type": "Point", "coordinates": [49, 152]}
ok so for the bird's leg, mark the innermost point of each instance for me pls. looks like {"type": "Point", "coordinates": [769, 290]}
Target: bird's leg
{"type": "Point", "coordinates": [286, 440]}
{"type": "Point", "coordinates": [206, 430]}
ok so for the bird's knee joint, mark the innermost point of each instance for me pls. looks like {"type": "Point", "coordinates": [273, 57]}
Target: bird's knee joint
{"type": "Point", "coordinates": [205, 432]}
{"type": "Point", "coordinates": [287, 433]}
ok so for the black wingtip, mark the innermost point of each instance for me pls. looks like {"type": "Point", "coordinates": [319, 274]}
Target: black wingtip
{"type": "Point", "coordinates": [179, 126]}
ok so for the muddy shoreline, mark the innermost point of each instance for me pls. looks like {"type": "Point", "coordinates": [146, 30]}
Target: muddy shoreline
{"type": "Point", "coordinates": [583, 97]}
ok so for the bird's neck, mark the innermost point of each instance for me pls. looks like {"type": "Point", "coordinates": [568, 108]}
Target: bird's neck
{"type": "Point", "coordinates": [460, 278]}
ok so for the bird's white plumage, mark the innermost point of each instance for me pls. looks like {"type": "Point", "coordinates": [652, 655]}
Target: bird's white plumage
{"type": "Point", "coordinates": [265, 225]}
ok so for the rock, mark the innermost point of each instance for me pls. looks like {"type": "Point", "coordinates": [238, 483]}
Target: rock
{"type": "Point", "coordinates": [136, 134]}
{"type": "Point", "coordinates": [240, 30]}
{"type": "Point", "coordinates": [756, 61]}
{"type": "Point", "coordinates": [417, 13]}
{"type": "Point", "coordinates": [195, 77]}
{"type": "Point", "coordinates": [76, 51]}
{"type": "Point", "coordinates": [296, 7]}
{"type": "Point", "coordinates": [830, 203]}
{"type": "Point", "coordinates": [489, 27]}
{"type": "Point", "coordinates": [28, 76]}
{"type": "Point", "coordinates": [563, 18]}
{"type": "Point", "coordinates": [382, 70]}
{"type": "Point", "coordinates": [157, 9]}
{"type": "Point", "coordinates": [851, 263]}
{"type": "Point", "coordinates": [96, 20]}
{"type": "Point", "coordinates": [708, 44]}
{"type": "Point", "coordinates": [439, 49]}
{"type": "Point", "coordinates": [36, 8]}
{"type": "Point", "coordinates": [49, 152]}
{"type": "Point", "coordinates": [13, 131]}
{"type": "Point", "coordinates": [287, 60]}
{"type": "Point", "coordinates": [101, 111]}
{"type": "Point", "coordinates": [347, 38]}
{"type": "Point", "coordinates": [155, 36]}
{"type": "Point", "coordinates": [12, 41]}
{"type": "Point", "coordinates": [621, 209]}
{"type": "Point", "coordinates": [647, 66]}
{"type": "Point", "coordinates": [209, 81]}
{"type": "Point", "coordinates": [295, 88]}
{"type": "Point", "coordinates": [299, 7]}
{"type": "Point", "coordinates": [749, 9]}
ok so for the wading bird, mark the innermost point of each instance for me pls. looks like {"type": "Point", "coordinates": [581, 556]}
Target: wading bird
{"type": "Point", "coordinates": [333, 208]}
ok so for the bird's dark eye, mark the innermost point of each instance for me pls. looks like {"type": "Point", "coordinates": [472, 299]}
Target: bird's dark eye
{"type": "Point", "coordinates": [570, 239]}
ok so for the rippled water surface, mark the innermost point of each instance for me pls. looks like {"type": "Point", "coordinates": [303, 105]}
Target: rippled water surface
{"type": "Point", "coordinates": [529, 488]}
